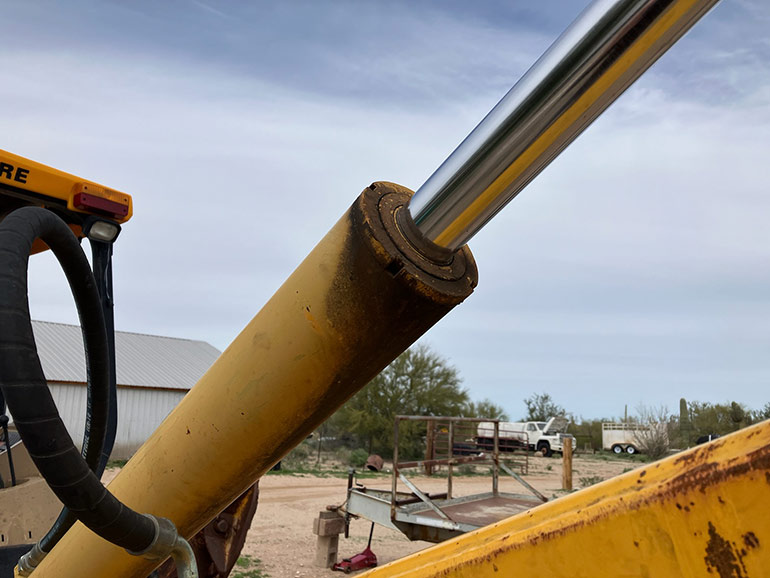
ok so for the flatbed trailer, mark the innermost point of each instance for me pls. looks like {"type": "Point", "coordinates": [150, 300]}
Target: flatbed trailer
{"type": "Point", "coordinates": [420, 520]}
{"type": "Point", "coordinates": [438, 517]}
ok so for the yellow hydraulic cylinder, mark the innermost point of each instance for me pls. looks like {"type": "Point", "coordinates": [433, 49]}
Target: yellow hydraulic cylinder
{"type": "Point", "coordinates": [362, 296]}
{"type": "Point", "coordinates": [700, 513]}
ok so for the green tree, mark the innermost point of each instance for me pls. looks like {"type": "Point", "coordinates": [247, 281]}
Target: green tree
{"type": "Point", "coordinates": [418, 382]}
{"type": "Point", "coordinates": [753, 416]}
{"type": "Point", "coordinates": [715, 418]}
{"type": "Point", "coordinates": [485, 408]}
{"type": "Point", "coordinates": [761, 414]}
{"type": "Point", "coordinates": [588, 432]}
{"type": "Point", "coordinates": [737, 414]}
{"type": "Point", "coordinates": [540, 407]}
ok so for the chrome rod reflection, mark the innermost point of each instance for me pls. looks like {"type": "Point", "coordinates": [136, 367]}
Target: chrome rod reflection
{"type": "Point", "coordinates": [602, 52]}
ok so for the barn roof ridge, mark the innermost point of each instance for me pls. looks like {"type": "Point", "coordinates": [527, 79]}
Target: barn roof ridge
{"type": "Point", "coordinates": [143, 360]}
{"type": "Point", "coordinates": [140, 333]}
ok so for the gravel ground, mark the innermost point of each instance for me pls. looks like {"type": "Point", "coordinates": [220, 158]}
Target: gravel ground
{"type": "Point", "coordinates": [282, 533]}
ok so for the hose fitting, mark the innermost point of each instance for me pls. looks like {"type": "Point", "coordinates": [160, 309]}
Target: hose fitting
{"type": "Point", "coordinates": [29, 561]}
{"type": "Point", "coordinates": [168, 542]}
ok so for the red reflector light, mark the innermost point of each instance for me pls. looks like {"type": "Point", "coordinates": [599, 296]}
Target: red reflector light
{"type": "Point", "coordinates": [87, 202]}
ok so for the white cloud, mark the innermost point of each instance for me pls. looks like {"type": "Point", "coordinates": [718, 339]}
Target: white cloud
{"type": "Point", "coordinates": [638, 258]}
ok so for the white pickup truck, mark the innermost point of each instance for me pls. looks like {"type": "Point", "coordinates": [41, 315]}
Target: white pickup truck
{"type": "Point", "coordinates": [545, 437]}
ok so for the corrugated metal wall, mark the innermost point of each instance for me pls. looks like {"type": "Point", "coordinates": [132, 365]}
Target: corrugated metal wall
{"type": "Point", "coordinates": [140, 411]}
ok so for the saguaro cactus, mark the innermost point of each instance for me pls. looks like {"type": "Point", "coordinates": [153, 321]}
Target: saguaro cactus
{"type": "Point", "coordinates": [685, 425]}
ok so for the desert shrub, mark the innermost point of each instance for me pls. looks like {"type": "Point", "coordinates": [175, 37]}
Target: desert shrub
{"type": "Point", "coordinates": [357, 458]}
{"type": "Point", "coordinates": [590, 481]}
{"type": "Point", "coordinates": [298, 456]}
{"type": "Point", "coordinates": [652, 437]}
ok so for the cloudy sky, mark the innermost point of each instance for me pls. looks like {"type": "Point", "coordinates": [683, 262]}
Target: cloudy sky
{"type": "Point", "coordinates": [634, 270]}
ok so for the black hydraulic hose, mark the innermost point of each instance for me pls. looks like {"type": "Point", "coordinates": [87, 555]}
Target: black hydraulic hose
{"type": "Point", "coordinates": [26, 391]}
{"type": "Point", "coordinates": [99, 426]}
{"type": "Point", "coordinates": [101, 254]}
{"type": "Point", "coordinates": [97, 402]}
{"type": "Point", "coordinates": [4, 426]}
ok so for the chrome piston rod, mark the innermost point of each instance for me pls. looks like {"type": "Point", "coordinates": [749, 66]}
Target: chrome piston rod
{"type": "Point", "coordinates": [602, 53]}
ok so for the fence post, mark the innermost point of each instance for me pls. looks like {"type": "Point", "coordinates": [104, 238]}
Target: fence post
{"type": "Point", "coordinates": [429, 451]}
{"type": "Point", "coordinates": [450, 466]}
{"type": "Point", "coordinates": [496, 458]}
{"type": "Point", "coordinates": [566, 475]}
{"type": "Point", "coordinates": [394, 486]}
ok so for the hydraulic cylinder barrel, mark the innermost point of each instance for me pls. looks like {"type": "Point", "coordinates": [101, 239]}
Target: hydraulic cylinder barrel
{"type": "Point", "coordinates": [362, 296]}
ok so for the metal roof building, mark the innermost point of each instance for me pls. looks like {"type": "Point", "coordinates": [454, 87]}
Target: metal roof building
{"type": "Point", "coordinates": [153, 374]}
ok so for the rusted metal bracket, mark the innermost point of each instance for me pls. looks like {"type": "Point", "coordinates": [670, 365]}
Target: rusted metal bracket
{"type": "Point", "coordinates": [521, 480]}
{"type": "Point", "coordinates": [218, 545]}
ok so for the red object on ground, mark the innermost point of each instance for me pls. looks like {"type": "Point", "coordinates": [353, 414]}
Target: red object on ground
{"type": "Point", "coordinates": [365, 559]}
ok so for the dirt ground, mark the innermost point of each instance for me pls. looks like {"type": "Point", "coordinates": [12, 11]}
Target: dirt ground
{"type": "Point", "coordinates": [282, 533]}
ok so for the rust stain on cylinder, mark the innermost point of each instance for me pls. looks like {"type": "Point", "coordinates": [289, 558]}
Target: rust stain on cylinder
{"type": "Point", "coordinates": [405, 291]}
{"type": "Point", "coordinates": [722, 556]}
